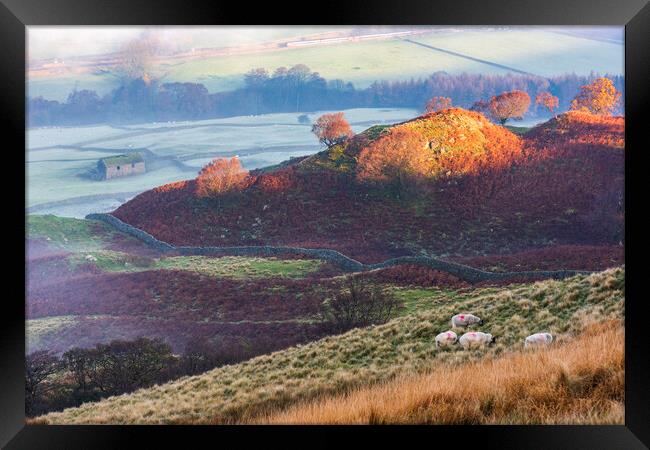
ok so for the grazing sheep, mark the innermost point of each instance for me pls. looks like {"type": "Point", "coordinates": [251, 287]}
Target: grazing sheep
{"type": "Point", "coordinates": [446, 338]}
{"type": "Point", "coordinates": [476, 338]}
{"type": "Point", "coordinates": [538, 339]}
{"type": "Point", "coordinates": [465, 320]}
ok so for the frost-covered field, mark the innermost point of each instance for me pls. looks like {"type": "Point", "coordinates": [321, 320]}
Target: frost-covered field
{"type": "Point", "coordinates": [49, 136]}
{"type": "Point", "coordinates": [541, 52]}
{"type": "Point", "coordinates": [57, 157]}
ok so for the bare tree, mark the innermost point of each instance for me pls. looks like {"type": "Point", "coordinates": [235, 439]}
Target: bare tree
{"type": "Point", "coordinates": [135, 58]}
{"type": "Point", "coordinates": [359, 304]}
{"type": "Point", "coordinates": [39, 368]}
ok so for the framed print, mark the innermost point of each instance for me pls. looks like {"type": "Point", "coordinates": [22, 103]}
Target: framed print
{"type": "Point", "coordinates": [257, 224]}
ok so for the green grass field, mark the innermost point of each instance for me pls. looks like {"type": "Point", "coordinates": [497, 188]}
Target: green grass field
{"type": "Point", "coordinates": [240, 267]}
{"type": "Point", "coordinates": [541, 52]}
{"type": "Point", "coordinates": [87, 240]}
{"type": "Point", "coordinates": [518, 130]}
{"type": "Point", "coordinates": [76, 235]}
{"type": "Point", "coordinates": [361, 63]}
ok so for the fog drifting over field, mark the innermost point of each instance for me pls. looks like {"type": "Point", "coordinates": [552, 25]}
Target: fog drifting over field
{"type": "Point", "coordinates": [46, 42]}
{"type": "Point", "coordinates": [61, 42]}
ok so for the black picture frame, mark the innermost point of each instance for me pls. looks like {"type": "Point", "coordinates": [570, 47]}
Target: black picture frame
{"type": "Point", "coordinates": [15, 15]}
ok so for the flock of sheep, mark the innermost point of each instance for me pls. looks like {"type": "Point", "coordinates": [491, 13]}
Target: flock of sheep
{"type": "Point", "coordinates": [478, 338]}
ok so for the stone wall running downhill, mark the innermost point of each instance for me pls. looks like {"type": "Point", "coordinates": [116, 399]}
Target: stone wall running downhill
{"type": "Point", "coordinates": [463, 272]}
{"type": "Point", "coordinates": [132, 231]}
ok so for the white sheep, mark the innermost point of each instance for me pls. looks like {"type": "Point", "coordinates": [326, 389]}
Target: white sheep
{"type": "Point", "coordinates": [476, 338]}
{"type": "Point", "coordinates": [446, 338]}
{"type": "Point", "coordinates": [538, 339]}
{"type": "Point", "coordinates": [465, 320]}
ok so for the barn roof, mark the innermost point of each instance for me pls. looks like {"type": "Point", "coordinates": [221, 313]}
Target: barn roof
{"type": "Point", "coordinates": [122, 159]}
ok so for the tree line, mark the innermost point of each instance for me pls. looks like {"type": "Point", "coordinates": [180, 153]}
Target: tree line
{"type": "Point", "coordinates": [294, 89]}
{"type": "Point", "coordinates": [88, 374]}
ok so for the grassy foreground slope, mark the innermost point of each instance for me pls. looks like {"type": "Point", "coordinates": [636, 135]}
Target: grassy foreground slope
{"type": "Point", "coordinates": [580, 382]}
{"type": "Point", "coordinates": [335, 364]}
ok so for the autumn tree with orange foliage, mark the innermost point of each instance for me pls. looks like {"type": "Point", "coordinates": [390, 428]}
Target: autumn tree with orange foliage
{"type": "Point", "coordinates": [438, 103]}
{"type": "Point", "coordinates": [398, 159]}
{"type": "Point", "coordinates": [599, 97]}
{"type": "Point", "coordinates": [481, 106]}
{"type": "Point", "coordinates": [220, 176]}
{"type": "Point", "coordinates": [509, 105]}
{"type": "Point", "coordinates": [332, 129]}
{"type": "Point", "coordinates": [548, 101]}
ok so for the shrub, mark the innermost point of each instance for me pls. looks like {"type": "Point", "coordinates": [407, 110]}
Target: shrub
{"type": "Point", "coordinates": [547, 101]}
{"type": "Point", "coordinates": [332, 129]}
{"type": "Point", "coordinates": [509, 105]}
{"type": "Point", "coordinates": [359, 304]}
{"type": "Point", "coordinates": [221, 176]}
{"type": "Point", "coordinates": [201, 355]}
{"type": "Point", "coordinates": [437, 103]}
{"type": "Point", "coordinates": [599, 97]}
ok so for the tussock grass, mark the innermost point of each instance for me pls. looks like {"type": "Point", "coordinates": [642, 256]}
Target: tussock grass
{"type": "Point", "coordinates": [337, 364]}
{"type": "Point", "coordinates": [580, 382]}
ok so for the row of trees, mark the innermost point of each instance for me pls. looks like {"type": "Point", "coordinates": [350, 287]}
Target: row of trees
{"type": "Point", "coordinates": [465, 89]}
{"type": "Point", "coordinates": [89, 374]}
{"type": "Point", "coordinates": [599, 97]}
{"type": "Point", "coordinates": [146, 98]}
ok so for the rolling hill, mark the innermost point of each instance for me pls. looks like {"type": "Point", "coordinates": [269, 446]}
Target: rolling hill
{"type": "Point", "coordinates": [491, 192]}
{"type": "Point", "coordinates": [336, 364]}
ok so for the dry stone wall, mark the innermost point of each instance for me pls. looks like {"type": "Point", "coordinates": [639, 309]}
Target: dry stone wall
{"type": "Point", "coordinates": [347, 264]}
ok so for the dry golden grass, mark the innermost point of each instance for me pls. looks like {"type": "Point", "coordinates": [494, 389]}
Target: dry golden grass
{"type": "Point", "coordinates": [580, 382]}
{"type": "Point", "coordinates": [337, 364]}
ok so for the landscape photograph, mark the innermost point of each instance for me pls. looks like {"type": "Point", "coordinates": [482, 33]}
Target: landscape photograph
{"type": "Point", "coordinates": [330, 225]}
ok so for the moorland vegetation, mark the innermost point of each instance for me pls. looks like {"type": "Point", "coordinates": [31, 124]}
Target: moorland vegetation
{"type": "Point", "coordinates": [251, 390]}
{"type": "Point", "coordinates": [294, 340]}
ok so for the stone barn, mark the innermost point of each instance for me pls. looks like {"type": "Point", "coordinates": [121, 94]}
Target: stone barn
{"type": "Point", "coordinates": [120, 166]}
